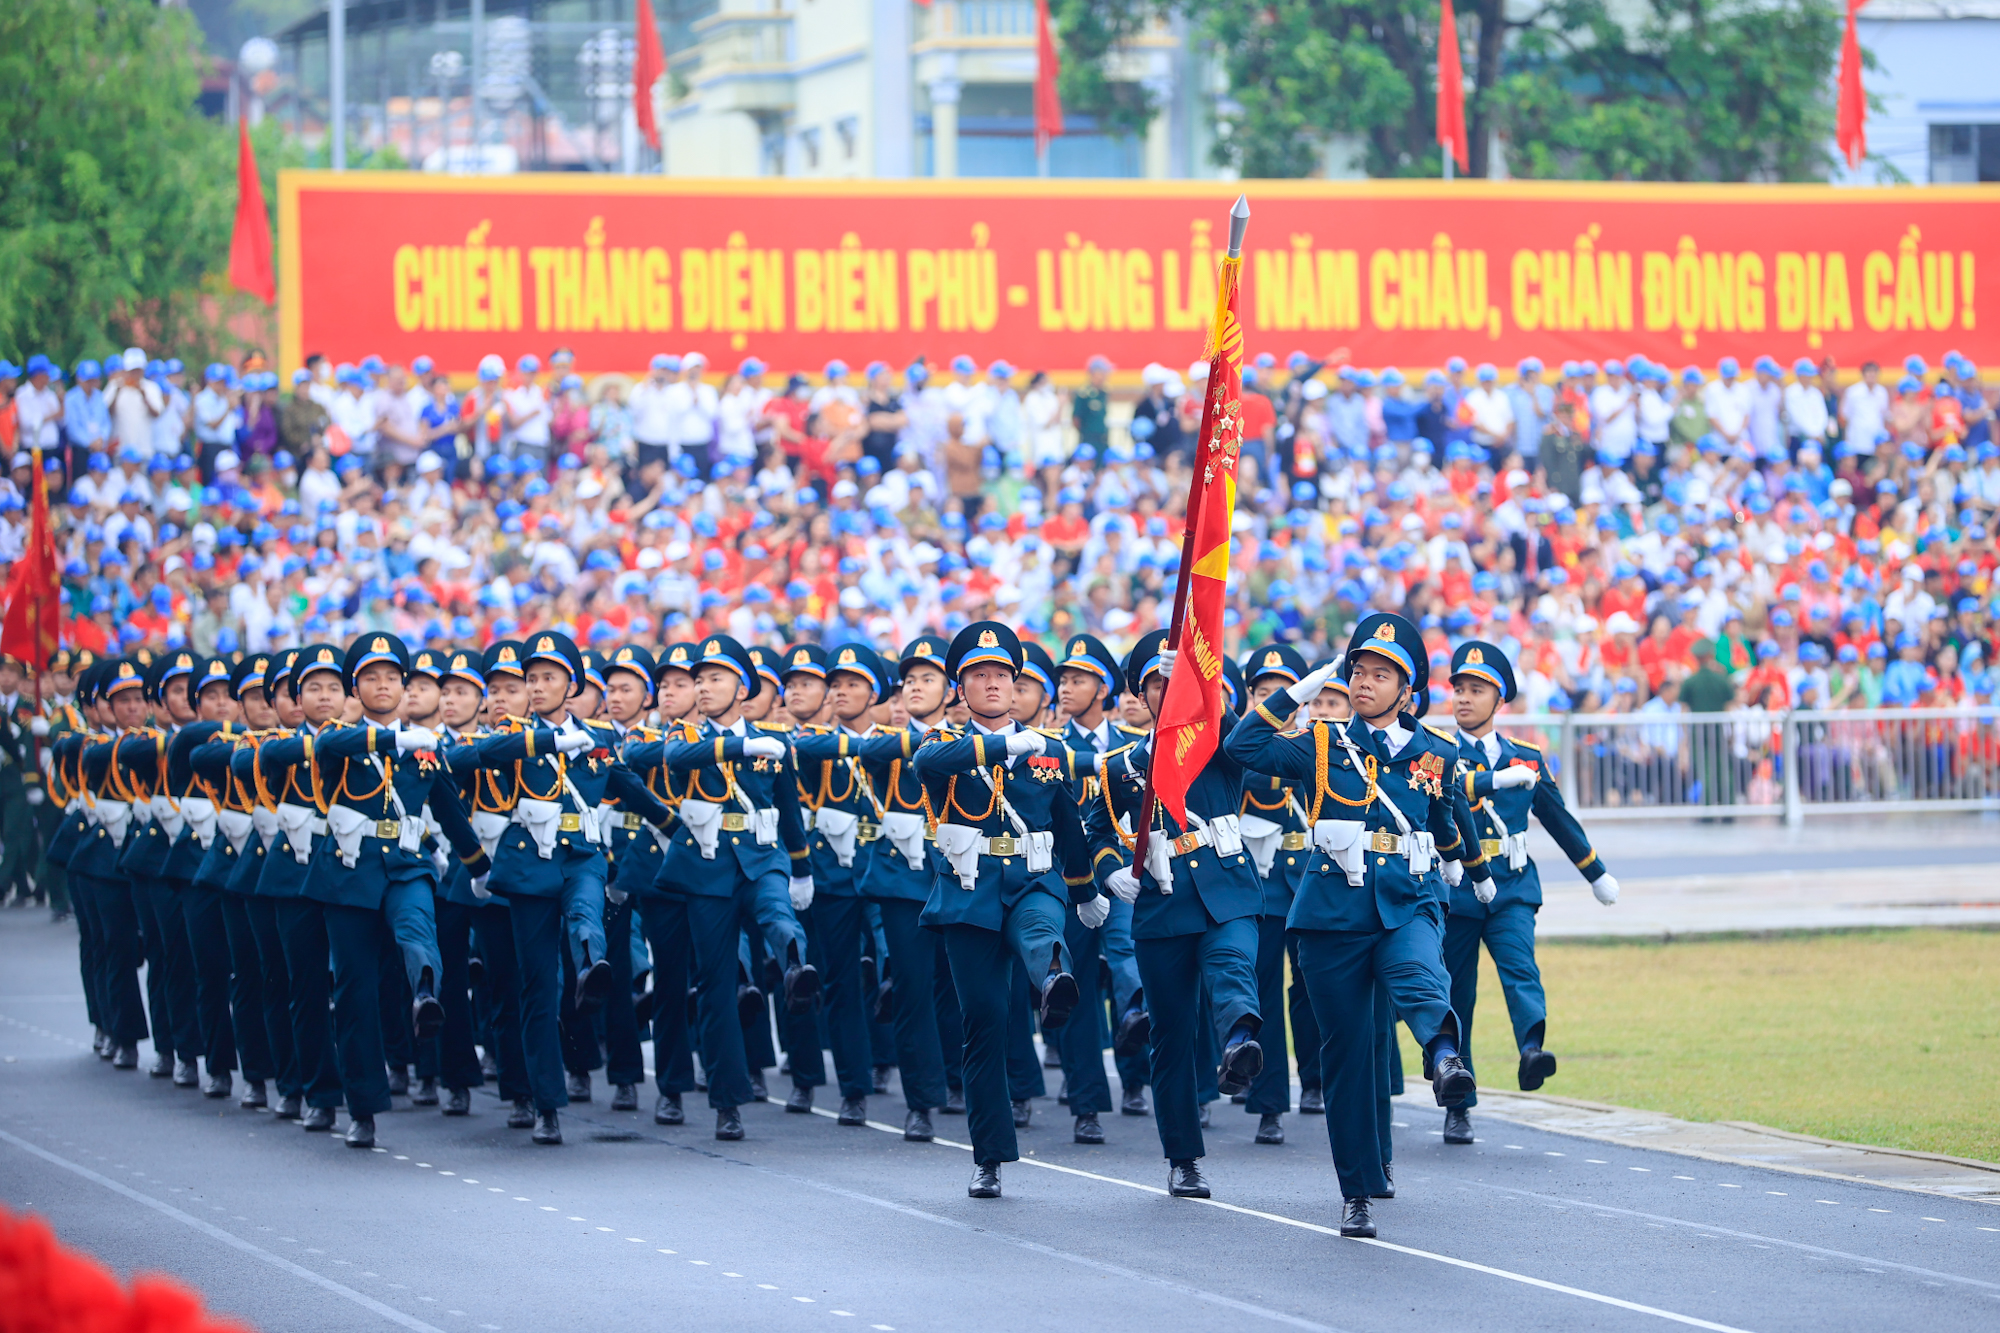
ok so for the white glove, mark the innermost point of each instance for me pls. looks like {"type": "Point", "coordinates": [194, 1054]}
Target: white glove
{"type": "Point", "coordinates": [1124, 882]}
{"type": "Point", "coordinates": [1453, 873]}
{"type": "Point", "coordinates": [1606, 889]}
{"type": "Point", "coordinates": [1519, 775]}
{"type": "Point", "coordinates": [1308, 689]}
{"type": "Point", "coordinates": [802, 892]}
{"type": "Point", "coordinates": [35, 796]}
{"type": "Point", "coordinates": [479, 889]}
{"type": "Point", "coordinates": [411, 739]}
{"type": "Point", "coordinates": [1025, 742]}
{"type": "Point", "coordinates": [1094, 912]}
{"type": "Point", "coordinates": [39, 727]}
{"type": "Point", "coordinates": [1485, 889]}
{"type": "Point", "coordinates": [569, 742]}
{"type": "Point", "coordinates": [764, 747]}
{"type": "Point", "coordinates": [1168, 656]}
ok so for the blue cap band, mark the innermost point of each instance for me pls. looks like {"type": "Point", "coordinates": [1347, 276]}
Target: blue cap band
{"type": "Point", "coordinates": [1395, 652]}
{"type": "Point", "coordinates": [1484, 672]}
{"type": "Point", "coordinates": [982, 655]}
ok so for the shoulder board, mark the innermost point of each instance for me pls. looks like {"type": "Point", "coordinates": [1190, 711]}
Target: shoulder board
{"type": "Point", "coordinates": [1120, 750]}
{"type": "Point", "coordinates": [1047, 731]}
{"type": "Point", "coordinates": [598, 724]}
{"type": "Point", "coordinates": [643, 733]}
{"type": "Point", "coordinates": [1525, 744]}
{"type": "Point", "coordinates": [1442, 735]}
{"type": "Point", "coordinates": [1129, 729]}
{"type": "Point", "coordinates": [690, 732]}
{"type": "Point", "coordinates": [1295, 731]}
{"type": "Point", "coordinates": [783, 729]}
{"type": "Point", "coordinates": [945, 734]}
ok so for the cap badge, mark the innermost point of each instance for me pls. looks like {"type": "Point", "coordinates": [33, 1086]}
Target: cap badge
{"type": "Point", "coordinates": [1473, 657]}
{"type": "Point", "coordinates": [988, 639]}
{"type": "Point", "coordinates": [1386, 632]}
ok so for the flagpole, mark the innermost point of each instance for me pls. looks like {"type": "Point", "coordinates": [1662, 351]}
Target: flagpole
{"type": "Point", "coordinates": [1239, 222]}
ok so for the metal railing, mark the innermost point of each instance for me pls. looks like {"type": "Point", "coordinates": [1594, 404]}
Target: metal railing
{"type": "Point", "coordinates": [1753, 762]}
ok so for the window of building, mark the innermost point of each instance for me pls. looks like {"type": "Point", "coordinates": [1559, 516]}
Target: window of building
{"type": "Point", "coordinates": [1964, 154]}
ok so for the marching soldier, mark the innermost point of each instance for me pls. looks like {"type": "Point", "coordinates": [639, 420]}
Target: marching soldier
{"type": "Point", "coordinates": [94, 869]}
{"type": "Point", "coordinates": [78, 830]}
{"type": "Point", "coordinates": [1276, 835]}
{"type": "Point", "coordinates": [1195, 902]}
{"type": "Point", "coordinates": [21, 790]}
{"type": "Point", "coordinates": [556, 771]}
{"type": "Point", "coordinates": [141, 759]}
{"type": "Point", "coordinates": [60, 716]}
{"type": "Point", "coordinates": [662, 902]}
{"type": "Point", "coordinates": [844, 821]}
{"type": "Point", "coordinates": [201, 911]}
{"type": "Point", "coordinates": [307, 694]}
{"type": "Point", "coordinates": [1384, 812]}
{"type": "Point", "coordinates": [1011, 854]}
{"type": "Point", "coordinates": [739, 808]}
{"type": "Point", "coordinates": [1503, 777]}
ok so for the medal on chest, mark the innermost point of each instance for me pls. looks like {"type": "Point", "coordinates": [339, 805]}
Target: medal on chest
{"type": "Point", "coordinates": [1427, 774]}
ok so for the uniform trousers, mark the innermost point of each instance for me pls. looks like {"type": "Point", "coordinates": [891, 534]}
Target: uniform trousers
{"type": "Point", "coordinates": [1024, 1065]}
{"type": "Point", "coordinates": [951, 1023]}
{"type": "Point", "coordinates": [169, 972]}
{"type": "Point", "coordinates": [1174, 971]}
{"type": "Point", "coordinates": [764, 905]}
{"type": "Point", "coordinates": [1305, 1028]}
{"type": "Point", "coordinates": [1509, 935]}
{"type": "Point", "coordinates": [1081, 1040]}
{"type": "Point", "coordinates": [543, 927]}
{"type": "Point", "coordinates": [837, 926]}
{"type": "Point", "coordinates": [110, 904]}
{"type": "Point", "coordinates": [1341, 969]}
{"type": "Point", "coordinates": [1270, 1093]}
{"type": "Point", "coordinates": [663, 919]}
{"type": "Point", "coordinates": [487, 931]}
{"type": "Point", "coordinates": [87, 947]}
{"type": "Point", "coordinates": [208, 951]}
{"type": "Point", "coordinates": [608, 1039]}
{"type": "Point", "coordinates": [249, 1013]}
{"type": "Point", "coordinates": [982, 968]}
{"type": "Point", "coordinates": [912, 954]}
{"type": "Point", "coordinates": [1121, 959]}
{"type": "Point", "coordinates": [356, 938]}
{"type": "Point", "coordinates": [302, 932]}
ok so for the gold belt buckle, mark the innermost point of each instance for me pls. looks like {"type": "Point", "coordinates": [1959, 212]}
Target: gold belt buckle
{"type": "Point", "coordinates": [633, 823]}
{"type": "Point", "coordinates": [388, 829]}
{"type": "Point", "coordinates": [1489, 847]}
{"type": "Point", "coordinates": [571, 824]}
{"type": "Point", "coordinates": [734, 823]}
{"type": "Point", "coordinates": [1293, 842]}
{"type": "Point", "coordinates": [867, 832]}
{"type": "Point", "coordinates": [1004, 845]}
{"type": "Point", "coordinates": [1187, 842]}
{"type": "Point", "coordinates": [1381, 840]}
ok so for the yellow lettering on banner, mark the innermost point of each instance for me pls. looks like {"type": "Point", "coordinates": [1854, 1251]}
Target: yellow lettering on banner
{"type": "Point", "coordinates": [1193, 312]}
{"type": "Point", "coordinates": [1138, 290]}
{"type": "Point", "coordinates": [504, 278]}
{"type": "Point", "coordinates": [541, 261]}
{"type": "Point", "coordinates": [407, 268]}
{"type": "Point", "coordinates": [1557, 310]}
{"type": "Point", "coordinates": [567, 281]}
{"type": "Point", "coordinates": [1837, 305]}
{"type": "Point", "coordinates": [475, 278]}
{"type": "Point", "coordinates": [695, 292]}
{"type": "Point", "coordinates": [809, 288]}
{"type": "Point", "coordinates": [1273, 288]}
{"type": "Point", "coordinates": [1339, 276]}
{"type": "Point", "coordinates": [880, 275]}
{"type": "Point", "coordinates": [1444, 285]}
{"type": "Point", "coordinates": [1909, 283]}
{"type": "Point", "coordinates": [656, 293]}
{"type": "Point", "coordinates": [1966, 288]}
{"type": "Point", "coordinates": [1415, 289]}
{"type": "Point", "coordinates": [595, 315]}
{"type": "Point", "coordinates": [923, 287]}
{"type": "Point", "coordinates": [1750, 292]}
{"type": "Point", "coordinates": [1385, 305]}
{"type": "Point", "coordinates": [736, 284]}
{"type": "Point", "coordinates": [1656, 291]}
{"type": "Point", "coordinates": [853, 290]}
{"type": "Point", "coordinates": [767, 291]}
{"type": "Point", "coordinates": [1085, 288]}
{"type": "Point", "coordinates": [626, 312]}
{"type": "Point", "coordinates": [1526, 276]}
{"type": "Point", "coordinates": [1878, 305]}
{"type": "Point", "coordinates": [951, 291]}
{"type": "Point", "coordinates": [1718, 292]}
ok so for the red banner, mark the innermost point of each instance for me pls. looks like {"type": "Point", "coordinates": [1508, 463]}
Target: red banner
{"type": "Point", "coordinates": [1049, 273]}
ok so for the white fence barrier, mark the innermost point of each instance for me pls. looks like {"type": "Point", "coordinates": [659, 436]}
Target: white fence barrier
{"type": "Point", "coordinates": [1796, 764]}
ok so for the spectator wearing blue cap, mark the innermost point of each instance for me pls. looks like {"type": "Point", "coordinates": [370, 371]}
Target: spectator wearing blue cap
{"type": "Point", "coordinates": [134, 402]}
{"type": "Point", "coordinates": [1864, 407]}
{"type": "Point", "coordinates": [218, 416]}
{"type": "Point", "coordinates": [86, 420]}
{"type": "Point", "coordinates": [529, 415]}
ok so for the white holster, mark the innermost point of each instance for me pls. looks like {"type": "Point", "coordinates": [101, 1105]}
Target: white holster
{"type": "Point", "coordinates": [237, 826]}
{"type": "Point", "coordinates": [115, 817]}
{"type": "Point", "coordinates": [490, 827]}
{"type": "Point", "coordinates": [960, 846]}
{"type": "Point", "coordinates": [662, 837]}
{"type": "Point", "coordinates": [1516, 847]}
{"type": "Point", "coordinates": [199, 813]}
{"type": "Point", "coordinates": [1421, 849]}
{"type": "Point", "coordinates": [704, 821]}
{"type": "Point", "coordinates": [542, 820]}
{"type": "Point", "coordinates": [1341, 840]}
{"type": "Point", "coordinates": [606, 818]}
{"type": "Point", "coordinates": [300, 823]}
{"type": "Point", "coordinates": [265, 821]}
{"type": "Point", "coordinates": [349, 827]}
{"type": "Point", "coordinates": [169, 816]}
{"type": "Point", "coordinates": [905, 832]}
{"type": "Point", "coordinates": [1041, 852]}
{"type": "Point", "coordinates": [1160, 860]}
{"type": "Point", "coordinates": [840, 829]}
{"type": "Point", "coordinates": [764, 823]}
{"type": "Point", "coordinates": [1261, 836]}
{"type": "Point", "coordinates": [1225, 833]}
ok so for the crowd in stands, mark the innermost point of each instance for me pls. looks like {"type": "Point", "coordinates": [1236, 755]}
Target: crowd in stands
{"type": "Point", "coordinates": [1639, 537]}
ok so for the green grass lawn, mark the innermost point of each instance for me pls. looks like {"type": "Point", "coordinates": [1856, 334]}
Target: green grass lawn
{"type": "Point", "coordinates": [1890, 1038]}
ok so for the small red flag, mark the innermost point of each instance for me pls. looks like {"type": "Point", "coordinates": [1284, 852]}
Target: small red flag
{"type": "Point", "coordinates": [1451, 87]}
{"type": "Point", "coordinates": [33, 620]}
{"type": "Point", "coordinates": [1048, 65]}
{"type": "Point", "coordinates": [1851, 123]}
{"type": "Point", "coordinates": [649, 65]}
{"type": "Point", "coordinates": [250, 245]}
{"type": "Point", "coordinates": [1190, 721]}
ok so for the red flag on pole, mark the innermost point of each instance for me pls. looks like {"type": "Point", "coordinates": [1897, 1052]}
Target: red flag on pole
{"type": "Point", "coordinates": [1451, 87]}
{"type": "Point", "coordinates": [649, 65]}
{"type": "Point", "coordinates": [34, 594]}
{"type": "Point", "coordinates": [1190, 720]}
{"type": "Point", "coordinates": [250, 244]}
{"type": "Point", "coordinates": [1048, 65]}
{"type": "Point", "coordinates": [1851, 124]}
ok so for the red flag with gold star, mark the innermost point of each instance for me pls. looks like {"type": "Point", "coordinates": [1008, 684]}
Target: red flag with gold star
{"type": "Point", "coordinates": [1190, 721]}
{"type": "Point", "coordinates": [30, 629]}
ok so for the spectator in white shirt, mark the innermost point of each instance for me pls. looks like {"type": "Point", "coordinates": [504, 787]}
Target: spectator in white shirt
{"type": "Point", "coordinates": [216, 416]}
{"type": "Point", "coordinates": [651, 411]}
{"type": "Point", "coordinates": [1805, 407]}
{"type": "Point", "coordinates": [695, 408]}
{"type": "Point", "coordinates": [134, 401]}
{"type": "Point", "coordinates": [528, 413]}
{"type": "Point", "coordinates": [1767, 407]}
{"type": "Point", "coordinates": [353, 411]}
{"type": "Point", "coordinates": [738, 410]}
{"type": "Point", "coordinates": [836, 389]}
{"type": "Point", "coordinates": [1492, 414]}
{"type": "Point", "coordinates": [170, 428]}
{"type": "Point", "coordinates": [1864, 409]}
{"type": "Point", "coordinates": [38, 405]}
{"type": "Point", "coordinates": [1614, 410]}
{"type": "Point", "coordinates": [1727, 402]}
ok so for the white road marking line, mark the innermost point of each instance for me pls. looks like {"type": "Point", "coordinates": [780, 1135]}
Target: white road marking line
{"type": "Point", "coordinates": [1878, 1210]}
{"type": "Point", "coordinates": [389, 1312]}
{"type": "Point", "coordinates": [1683, 1177]}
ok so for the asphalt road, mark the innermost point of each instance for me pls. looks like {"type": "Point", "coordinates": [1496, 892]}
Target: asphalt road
{"type": "Point", "coordinates": [463, 1224]}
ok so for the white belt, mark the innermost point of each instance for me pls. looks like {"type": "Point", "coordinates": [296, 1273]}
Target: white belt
{"type": "Point", "coordinates": [963, 846]}
{"type": "Point", "coordinates": [541, 819]}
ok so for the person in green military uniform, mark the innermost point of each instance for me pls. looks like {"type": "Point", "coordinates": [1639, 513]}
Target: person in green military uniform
{"type": "Point", "coordinates": [21, 789]}
{"type": "Point", "coordinates": [60, 717]}
{"type": "Point", "coordinates": [1506, 780]}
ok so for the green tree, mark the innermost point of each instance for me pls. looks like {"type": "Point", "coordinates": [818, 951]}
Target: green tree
{"type": "Point", "coordinates": [116, 196]}
{"type": "Point", "coordinates": [1694, 90]}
